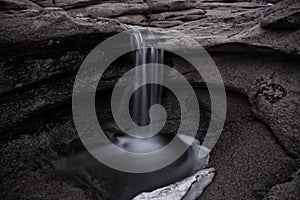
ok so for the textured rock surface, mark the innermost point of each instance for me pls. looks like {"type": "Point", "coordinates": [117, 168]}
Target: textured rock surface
{"type": "Point", "coordinates": [170, 5]}
{"type": "Point", "coordinates": [287, 190]}
{"type": "Point", "coordinates": [52, 27]}
{"type": "Point", "coordinates": [189, 188]}
{"type": "Point", "coordinates": [67, 4]}
{"type": "Point", "coordinates": [272, 89]}
{"type": "Point", "coordinates": [44, 3]}
{"type": "Point", "coordinates": [17, 5]}
{"type": "Point", "coordinates": [170, 19]}
{"type": "Point", "coordinates": [284, 15]}
{"type": "Point", "coordinates": [136, 19]}
{"type": "Point", "coordinates": [247, 157]}
{"type": "Point", "coordinates": [112, 9]}
{"type": "Point", "coordinates": [255, 46]}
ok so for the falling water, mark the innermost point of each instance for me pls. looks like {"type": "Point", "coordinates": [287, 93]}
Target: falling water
{"type": "Point", "coordinates": [146, 95]}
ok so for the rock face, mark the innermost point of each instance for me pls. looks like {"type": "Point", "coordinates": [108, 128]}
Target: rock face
{"type": "Point", "coordinates": [44, 3]}
{"type": "Point", "coordinates": [284, 15]}
{"type": "Point", "coordinates": [21, 35]}
{"type": "Point", "coordinates": [112, 9]}
{"type": "Point", "coordinates": [287, 190]}
{"type": "Point", "coordinates": [254, 45]}
{"type": "Point", "coordinates": [170, 19]}
{"type": "Point", "coordinates": [17, 5]}
{"type": "Point", "coordinates": [170, 5]}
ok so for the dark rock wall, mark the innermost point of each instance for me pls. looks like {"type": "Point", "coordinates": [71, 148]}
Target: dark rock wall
{"type": "Point", "coordinates": [255, 46]}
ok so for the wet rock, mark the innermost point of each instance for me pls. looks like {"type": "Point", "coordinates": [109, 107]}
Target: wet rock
{"type": "Point", "coordinates": [17, 5]}
{"type": "Point", "coordinates": [170, 19]}
{"type": "Point", "coordinates": [111, 9]}
{"type": "Point", "coordinates": [189, 188]}
{"type": "Point", "coordinates": [259, 63]}
{"type": "Point", "coordinates": [284, 15]}
{"type": "Point", "coordinates": [19, 33]}
{"type": "Point", "coordinates": [287, 190]}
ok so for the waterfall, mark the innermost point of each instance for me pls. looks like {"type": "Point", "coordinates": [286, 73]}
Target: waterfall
{"type": "Point", "coordinates": [146, 95]}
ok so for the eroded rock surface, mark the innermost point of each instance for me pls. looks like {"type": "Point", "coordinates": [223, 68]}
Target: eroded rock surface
{"type": "Point", "coordinates": [255, 46]}
{"type": "Point", "coordinates": [189, 188]}
{"type": "Point", "coordinates": [286, 190]}
{"type": "Point", "coordinates": [34, 30]}
{"type": "Point", "coordinates": [112, 9]}
{"type": "Point", "coordinates": [17, 5]}
{"type": "Point", "coordinates": [284, 15]}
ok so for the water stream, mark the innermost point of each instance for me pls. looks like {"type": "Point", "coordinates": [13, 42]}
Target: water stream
{"type": "Point", "coordinates": [146, 95]}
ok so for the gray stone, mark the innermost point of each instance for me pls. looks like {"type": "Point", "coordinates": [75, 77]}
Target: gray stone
{"type": "Point", "coordinates": [222, 21]}
{"type": "Point", "coordinates": [273, 1]}
{"type": "Point", "coordinates": [68, 4]}
{"type": "Point", "coordinates": [17, 5]}
{"type": "Point", "coordinates": [170, 19]}
{"type": "Point", "coordinates": [190, 188]}
{"type": "Point", "coordinates": [260, 68]}
{"type": "Point", "coordinates": [284, 15]}
{"type": "Point", "coordinates": [12, 73]}
{"type": "Point", "coordinates": [19, 108]}
{"type": "Point", "coordinates": [111, 9]}
{"type": "Point", "coordinates": [247, 159]}
{"type": "Point", "coordinates": [31, 30]}
{"type": "Point", "coordinates": [44, 3]}
{"type": "Point", "coordinates": [170, 5]}
{"type": "Point", "coordinates": [289, 190]}
{"type": "Point", "coordinates": [235, 24]}
{"type": "Point", "coordinates": [165, 24]}
{"type": "Point", "coordinates": [136, 19]}
{"type": "Point", "coordinates": [72, 4]}
{"type": "Point", "coordinates": [272, 88]}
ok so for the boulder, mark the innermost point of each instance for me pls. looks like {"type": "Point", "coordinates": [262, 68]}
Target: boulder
{"type": "Point", "coordinates": [189, 188]}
